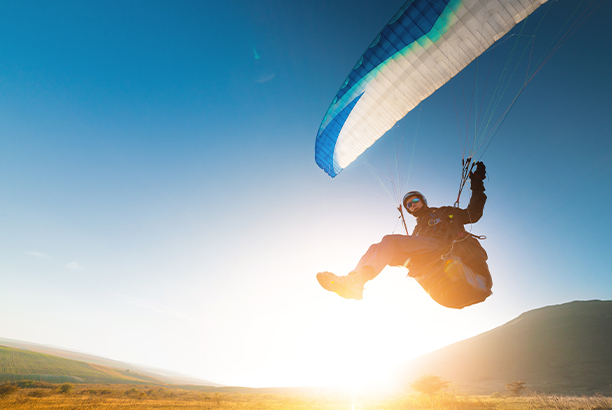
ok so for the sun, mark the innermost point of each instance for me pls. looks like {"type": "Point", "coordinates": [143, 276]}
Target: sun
{"type": "Point", "coordinates": [332, 341]}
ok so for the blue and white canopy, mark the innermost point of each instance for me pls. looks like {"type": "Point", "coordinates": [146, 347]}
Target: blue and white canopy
{"type": "Point", "coordinates": [426, 44]}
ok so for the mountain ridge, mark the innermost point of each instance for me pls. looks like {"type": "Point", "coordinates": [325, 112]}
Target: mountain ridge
{"type": "Point", "coordinates": [563, 349]}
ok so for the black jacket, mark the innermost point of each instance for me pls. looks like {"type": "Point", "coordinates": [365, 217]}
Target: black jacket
{"type": "Point", "coordinates": [436, 222]}
{"type": "Point", "coordinates": [447, 224]}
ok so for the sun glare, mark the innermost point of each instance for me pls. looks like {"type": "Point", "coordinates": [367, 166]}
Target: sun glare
{"type": "Point", "coordinates": [307, 336]}
{"type": "Point", "coordinates": [338, 342]}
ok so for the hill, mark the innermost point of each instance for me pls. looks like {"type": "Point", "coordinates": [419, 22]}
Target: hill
{"type": "Point", "coordinates": [562, 349]}
{"type": "Point", "coordinates": [16, 364]}
{"type": "Point", "coordinates": [162, 375]}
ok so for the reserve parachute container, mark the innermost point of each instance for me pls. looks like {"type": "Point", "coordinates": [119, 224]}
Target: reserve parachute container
{"type": "Point", "coordinates": [424, 45]}
{"type": "Point", "coordinates": [452, 283]}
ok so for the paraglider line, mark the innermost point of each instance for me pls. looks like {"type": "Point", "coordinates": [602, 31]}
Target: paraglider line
{"type": "Point", "coordinates": [398, 156]}
{"type": "Point", "coordinates": [551, 48]}
{"type": "Point", "coordinates": [390, 171]}
{"type": "Point", "coordinates": [457, 116]}
{"type": "Point", "coordinates": [565, 37]}
{"type": "Point", "coordinates": [401, 211]}
{"type": "Point", "coordinates": [475, 82]}
{"type": "Point", "coordinates": [485, 90]}
{"type": "Point", "coordinates": [500, 89]}
{"type": "Point", "coordinates": [396, 223]}
{"type": "Point", "coordinates": [495, 127]}
{"type": "Point", "coordinates": [381, 184]}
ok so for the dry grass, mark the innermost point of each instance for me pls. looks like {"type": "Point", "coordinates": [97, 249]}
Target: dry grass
{"type": "Point", "coordinates": [496, 402]}
{"type": "Point", "coordinates": [103, 397]}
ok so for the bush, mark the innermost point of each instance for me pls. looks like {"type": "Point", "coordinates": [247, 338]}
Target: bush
{"type": "Point", "coordinates": [516, 388]}
{"type": "Point", "coordinates": [131, 392]}
{"type": "Point", "coordinates": [429, 384]}
{"type": "Point", "coordinates": [66, 388]}
{"type": "Point", "coordinates": [7, 388]}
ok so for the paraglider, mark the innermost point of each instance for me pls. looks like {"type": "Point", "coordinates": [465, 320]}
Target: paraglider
{"type": "Point", "coordinates": [424, 46]}
{"type": "Point", "coordinates": [446, 260]}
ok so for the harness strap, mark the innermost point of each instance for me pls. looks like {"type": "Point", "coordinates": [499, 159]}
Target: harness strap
{"type": "Point", "coordinates": [446, 249]}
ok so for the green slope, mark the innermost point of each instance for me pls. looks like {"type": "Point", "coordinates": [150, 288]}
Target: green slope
{"type": "Point", "coordinates": [162, 375]}
{"type": "Point", "coordinates": [16, 364]}
{"type": "Point", "coordinates": [564, 349]}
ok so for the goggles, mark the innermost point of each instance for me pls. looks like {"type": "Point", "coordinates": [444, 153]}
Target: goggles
{"type": "Point", "coordinates": [410, 203]}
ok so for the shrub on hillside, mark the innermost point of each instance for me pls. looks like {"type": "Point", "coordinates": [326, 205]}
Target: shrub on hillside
{"type": "Point", "coordinates": [131, 392]}
{"type": "Point", "coordinates": [66, 388]}
{"type": "Point", "coordinates": [429, 384]}
{"type": "Point", "coordinates": [516, 388]}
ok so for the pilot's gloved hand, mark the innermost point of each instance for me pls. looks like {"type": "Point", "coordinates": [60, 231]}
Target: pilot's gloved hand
{"type": "Point", "coordinates": [481, 171]}
{"type": "Point", "coordinates": [477, 176]}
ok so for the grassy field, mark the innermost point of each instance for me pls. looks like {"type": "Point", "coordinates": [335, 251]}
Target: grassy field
{"type": "Point", "coordinates": [93, 397]}
{"type": "Point", "coordinates": [17, 364]}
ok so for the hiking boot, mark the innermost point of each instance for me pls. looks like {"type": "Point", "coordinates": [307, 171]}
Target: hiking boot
{"type": "Point", "coordinates": [346, 286]}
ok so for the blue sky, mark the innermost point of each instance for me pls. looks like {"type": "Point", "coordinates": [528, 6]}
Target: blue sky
{"type": "Point", "coordinates": [160, 203]}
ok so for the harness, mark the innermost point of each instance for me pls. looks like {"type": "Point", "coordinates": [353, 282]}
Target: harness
{"type": "Point", "coordinates": [454, 234]}
{"type": "Point", "coordinates": [444, 275]}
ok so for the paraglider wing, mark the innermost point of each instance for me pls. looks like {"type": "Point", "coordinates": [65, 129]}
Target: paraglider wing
{"type": "Point", "coordinates": [425, 45]}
